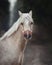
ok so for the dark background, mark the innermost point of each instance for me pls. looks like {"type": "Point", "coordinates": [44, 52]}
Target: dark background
{"type": "Point", "coordinates": [41, 42]}
{"type": "Point", "coordinates": [42, 12]}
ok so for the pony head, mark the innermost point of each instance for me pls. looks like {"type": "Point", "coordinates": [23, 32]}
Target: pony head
{"type": "Point", "coordinates": [26, 24]}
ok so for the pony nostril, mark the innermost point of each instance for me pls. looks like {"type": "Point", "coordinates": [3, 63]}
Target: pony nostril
{"type": "Point", "coordinates": [27, 36]}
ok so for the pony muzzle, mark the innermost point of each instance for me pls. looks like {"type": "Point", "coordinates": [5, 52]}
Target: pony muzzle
{"type": "Point", "coordinates": [27, 34]}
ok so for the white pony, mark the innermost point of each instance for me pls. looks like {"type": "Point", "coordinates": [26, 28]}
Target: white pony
{"type": "Point", "coordinates": [13, 42]}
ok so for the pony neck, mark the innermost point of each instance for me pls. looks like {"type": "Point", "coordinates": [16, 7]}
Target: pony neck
{"type": "Point", "coordinates": [17, 35]}
{"type": "Point", "coordinates": [19, 40]}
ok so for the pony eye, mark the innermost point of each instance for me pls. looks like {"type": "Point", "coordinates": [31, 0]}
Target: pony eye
{"type": "Point", "coordinates": [21, 23]}
{"type": "Point", "coordinates": [31, 22]}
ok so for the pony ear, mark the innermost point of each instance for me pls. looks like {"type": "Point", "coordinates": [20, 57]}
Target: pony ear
{"type": "Point", "coordinates": [20, 13]}
{"type": "Point", "coordinates": [30, 13]}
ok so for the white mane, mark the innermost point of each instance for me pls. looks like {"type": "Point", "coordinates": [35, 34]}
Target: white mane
{"type": "Point", "coordinates": [16, 25]}
{"type": "Point", "coordinates": [13, 28]}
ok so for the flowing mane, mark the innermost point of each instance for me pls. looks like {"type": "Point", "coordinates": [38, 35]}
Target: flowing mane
{"type": "Point", "coordinates": [13, 28]}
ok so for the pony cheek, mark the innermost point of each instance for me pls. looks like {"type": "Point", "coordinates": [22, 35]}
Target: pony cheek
{"type": "Point", "coordinates": [22, 29]}
{"type": "Point", "coordinates": [32, 28]}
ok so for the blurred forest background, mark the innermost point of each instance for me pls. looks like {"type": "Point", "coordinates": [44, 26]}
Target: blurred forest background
{"type": "Point", "coordinates": [42, 36]}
